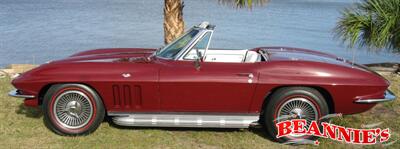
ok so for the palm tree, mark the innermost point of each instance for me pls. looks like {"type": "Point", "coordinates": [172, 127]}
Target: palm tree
{"type": "Point", "coordinates": [371, 23]}
{"type": "Point", "coordinates": [173, 15]}
{"type": "Point", "coordinates": [173, 19]}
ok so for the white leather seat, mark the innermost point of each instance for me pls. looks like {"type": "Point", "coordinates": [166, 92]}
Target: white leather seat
{"type": "Point", "coordinates": [252, 57]}
{"type": "Point", "coordinates": [228, 56]}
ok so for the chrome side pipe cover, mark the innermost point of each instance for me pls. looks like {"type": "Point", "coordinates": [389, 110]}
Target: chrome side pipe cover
{"type": "Point", "coordinates": [187, 120]}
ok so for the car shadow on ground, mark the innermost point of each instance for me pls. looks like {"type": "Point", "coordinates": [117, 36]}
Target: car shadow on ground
{"type": "Point", "coordinates": [258, 130]}
{"type": "Point", "coordinates": [29, 111]}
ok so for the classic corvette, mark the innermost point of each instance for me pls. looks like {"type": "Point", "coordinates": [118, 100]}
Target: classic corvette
{"type": "Point", "coordinates": [189, 84]}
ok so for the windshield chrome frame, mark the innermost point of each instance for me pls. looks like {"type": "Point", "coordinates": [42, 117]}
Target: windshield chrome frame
{"type": "Point", "coordinates": [184, 48]}
{"type": "Point", "coordinates": [179, 56]}
{"type": "Point", "coordinates": [202, 33]}
{"type": "Point", "coordinates": [175, 40]}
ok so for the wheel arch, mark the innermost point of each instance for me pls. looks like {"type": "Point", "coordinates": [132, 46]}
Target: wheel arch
{"type": "Point", "coordinates": [325, 93]}
{"type": "Point", "coordinates": [46, 87]}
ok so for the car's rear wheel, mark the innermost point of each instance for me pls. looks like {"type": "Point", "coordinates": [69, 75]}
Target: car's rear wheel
{"type": "Point", "coordinates": [72, 109]}
{"type": "Point", "coordinates": [294, 103]}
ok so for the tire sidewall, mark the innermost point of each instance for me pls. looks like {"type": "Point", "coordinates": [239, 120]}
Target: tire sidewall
{"type": "Point", "coordinates": [54, 125]}
{"type": "Point", "coordinates": [284, 94]}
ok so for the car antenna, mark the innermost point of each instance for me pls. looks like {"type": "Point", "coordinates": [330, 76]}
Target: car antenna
{"type": "Point", "coordinates": [353, 57]}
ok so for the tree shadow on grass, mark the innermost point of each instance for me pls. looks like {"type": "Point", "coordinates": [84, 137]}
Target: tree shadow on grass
{"type": "Point", "coordinates": [29, 111]}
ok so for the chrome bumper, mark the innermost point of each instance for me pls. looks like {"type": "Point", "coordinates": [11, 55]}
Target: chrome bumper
{"type": "Point", "coordinates": [16, 93]}
{"type": "Point", "coordinates": [389, 96]}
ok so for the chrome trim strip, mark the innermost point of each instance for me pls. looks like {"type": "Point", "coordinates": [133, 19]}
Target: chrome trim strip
{"type": "Point", "coordinates": [389, 96]}
{"type": "Point", "coordinates": [187, 120]}
{"type": "Point", "coordinates": [15, 93]}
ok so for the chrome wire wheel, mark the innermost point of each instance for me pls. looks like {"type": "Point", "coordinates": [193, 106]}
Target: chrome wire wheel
{"type": "Point", "coordinates": [73, 109]}
{"type": "Point", "coordinates": [298, 108]}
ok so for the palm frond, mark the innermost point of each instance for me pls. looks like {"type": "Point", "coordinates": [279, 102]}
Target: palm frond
{"type": "Point", "coordinates": [371, 23]}
{"type": "Point", "coordinates": [243, 3]}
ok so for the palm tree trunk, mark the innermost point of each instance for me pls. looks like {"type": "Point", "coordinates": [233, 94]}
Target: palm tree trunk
{"type": "Point", "coordinates": [173, 20]}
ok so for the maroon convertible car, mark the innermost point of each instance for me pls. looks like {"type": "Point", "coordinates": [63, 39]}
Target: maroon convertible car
{"type": "Point", "coordinates": [189, 84]}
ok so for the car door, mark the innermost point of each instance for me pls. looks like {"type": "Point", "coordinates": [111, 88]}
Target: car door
{"type": "Point", "coordinates": [214, 87]}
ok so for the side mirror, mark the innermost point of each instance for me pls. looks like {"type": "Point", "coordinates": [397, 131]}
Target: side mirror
{"type": "Point", "coordinates": [198, 60]}
{"type": "Point", "coordinates": [197, 63]}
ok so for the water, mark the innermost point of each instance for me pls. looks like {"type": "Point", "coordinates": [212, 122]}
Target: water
{"type": "Point", "coordinates": [42, 30]}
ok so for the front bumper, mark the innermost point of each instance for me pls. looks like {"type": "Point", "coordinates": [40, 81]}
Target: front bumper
{"type": "Point", "coordinates": [18, 94]}
{"type": "Point", "coordinates": [389, 96]}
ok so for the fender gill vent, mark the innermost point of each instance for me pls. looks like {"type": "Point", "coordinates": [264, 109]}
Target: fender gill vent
{"type": "Point", "coordinates": [116, 95]}
{"type": "Point", "coordinates": [137, 95]}
{"type": "Point", "coordinates": [125, 97]}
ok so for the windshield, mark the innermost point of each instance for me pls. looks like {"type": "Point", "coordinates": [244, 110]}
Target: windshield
{"type": "Point", "coordinates": [175, 47]}
{"type": "Point", "coordinates": [200, 47]}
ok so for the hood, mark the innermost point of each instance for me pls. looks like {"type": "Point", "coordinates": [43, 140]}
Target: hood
{"type": "Point", "coordinates": [109, 55]}
{"type": "Point", "coordinates": [113, 51]}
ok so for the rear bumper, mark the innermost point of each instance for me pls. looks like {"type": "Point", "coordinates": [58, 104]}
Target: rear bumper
{"type": "Point", "coordinates": [388, 96]}
{"type": "Point", "coordinates": [18, 94]}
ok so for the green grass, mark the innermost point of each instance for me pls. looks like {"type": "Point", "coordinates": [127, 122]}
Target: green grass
{"type": "Point", "coordinates": [22, 127]}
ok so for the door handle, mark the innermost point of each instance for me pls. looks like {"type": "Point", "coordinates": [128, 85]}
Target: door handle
{"type": "Point", "coordinates": [126, 75]}
{"type": "Point", "coordinates": [249, 75]}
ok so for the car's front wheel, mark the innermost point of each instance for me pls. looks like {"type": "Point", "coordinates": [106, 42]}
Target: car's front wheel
{"type": "Point", "coordinates": [72, 109]}
{"type": "Point", "coordinates": [294, 103]}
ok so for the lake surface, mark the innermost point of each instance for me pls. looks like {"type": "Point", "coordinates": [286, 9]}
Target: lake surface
{"type": "Point", "coordinates": [42, 30]}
